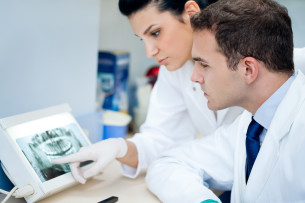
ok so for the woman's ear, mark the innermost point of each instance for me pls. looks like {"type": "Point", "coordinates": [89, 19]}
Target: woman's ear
{"type": "Point", "coordinates": [191, 7]}
{"type": "Point", "coordinates": [249, 68]}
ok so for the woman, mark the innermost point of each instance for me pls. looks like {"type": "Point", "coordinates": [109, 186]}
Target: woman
{"type": "Point", "coordinates": [178, 111]}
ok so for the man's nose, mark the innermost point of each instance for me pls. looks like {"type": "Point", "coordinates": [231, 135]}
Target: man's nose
{"type": "Point", "coordinates": [197, 75]}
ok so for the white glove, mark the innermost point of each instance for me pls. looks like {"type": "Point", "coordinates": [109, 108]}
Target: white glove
{"type": "Point", "coordinates": [102, 153]}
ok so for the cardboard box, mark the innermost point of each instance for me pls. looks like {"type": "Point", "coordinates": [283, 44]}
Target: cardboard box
{"type": "Point", "coordinates": [113, 79]}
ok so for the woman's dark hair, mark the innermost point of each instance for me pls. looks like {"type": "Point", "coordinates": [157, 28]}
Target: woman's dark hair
{"type": "Point", "coordinates": [256, 28]}
{"type": "Point", "coordinates": [176, 7]}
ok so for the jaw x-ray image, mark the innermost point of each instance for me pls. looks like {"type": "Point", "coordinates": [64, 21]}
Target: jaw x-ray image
{"type": "Point", "coordinates": [42, 147]}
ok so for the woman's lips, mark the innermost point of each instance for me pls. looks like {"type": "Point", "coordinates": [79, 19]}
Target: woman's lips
{"type": "Point", "coordinates": [162, 61]}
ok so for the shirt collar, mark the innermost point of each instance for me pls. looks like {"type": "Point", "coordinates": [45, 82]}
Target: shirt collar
{"type": "Point", "coordinates": [266, 111]}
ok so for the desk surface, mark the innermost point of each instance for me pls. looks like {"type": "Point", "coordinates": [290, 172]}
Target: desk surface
{"type": "Point", "coordinates": [102, 186]}
{"type": "Point", "coordinates": [109, 183]}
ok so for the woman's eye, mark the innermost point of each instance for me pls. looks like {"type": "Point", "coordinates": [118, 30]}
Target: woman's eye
{"type": "Point", "coordinates": [156, 33]}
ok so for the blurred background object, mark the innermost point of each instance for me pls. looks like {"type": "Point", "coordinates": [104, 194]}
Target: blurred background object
{"type": "Point", "coordinates": [112, 77]}
{"type": "Point", "coordinates": [115, 124]}
{"type": "Point", "coordinates": [142, 90]}
{"type": "Point", "coordinates": [152, 74]}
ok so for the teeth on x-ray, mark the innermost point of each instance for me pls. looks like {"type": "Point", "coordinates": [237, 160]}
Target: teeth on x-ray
{"type": "Point", "coordinates": [57, 147]}
{"type": "Point", "coordinates": [40, 148]}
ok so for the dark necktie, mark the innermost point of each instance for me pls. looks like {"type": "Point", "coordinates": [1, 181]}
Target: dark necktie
{"type": "Point", "coordinates": [252, 144]}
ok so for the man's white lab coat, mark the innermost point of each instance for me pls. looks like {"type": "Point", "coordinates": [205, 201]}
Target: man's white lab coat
{"type": "Point", "coordinates": [183, 174]}
{"type": "Point", "coordinates": [178, 112]}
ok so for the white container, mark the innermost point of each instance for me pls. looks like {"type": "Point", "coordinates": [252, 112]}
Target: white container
{"type": "Point", "coordinates": [115, 124]}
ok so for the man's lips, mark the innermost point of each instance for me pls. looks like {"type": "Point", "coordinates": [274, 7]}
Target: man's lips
{"type": "Point", "coordinates": [204, 92]}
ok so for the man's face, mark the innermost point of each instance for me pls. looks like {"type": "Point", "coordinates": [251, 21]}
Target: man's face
{"type": "Point", "coordinates": [222, 86]}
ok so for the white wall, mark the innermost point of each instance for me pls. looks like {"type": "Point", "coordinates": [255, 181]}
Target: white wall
{"type": "Point", "coordinates": [48, 54]}
{"type": "Point", "coordinates": [116, 34]}
{"type": "Point", "coordinates": [48, 50]}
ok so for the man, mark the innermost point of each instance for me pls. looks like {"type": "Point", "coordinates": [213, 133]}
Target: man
{"type": "Point", "coordinates": [243, 53]}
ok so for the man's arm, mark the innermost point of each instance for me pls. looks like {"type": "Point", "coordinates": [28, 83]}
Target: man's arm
{"type": "Point", "coordinates": [186, 173]}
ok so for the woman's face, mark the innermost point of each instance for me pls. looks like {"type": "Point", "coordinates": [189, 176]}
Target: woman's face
{"type": "Point", "coordinates": [166, 38]}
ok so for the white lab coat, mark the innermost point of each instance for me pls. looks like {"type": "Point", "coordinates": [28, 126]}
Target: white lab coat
{"type": "Point", "coordinates": [184, 173]}
{"type": "Point", "coordinates": [299, 58]}
{"type": "Point", "coordinates": [178, 112]}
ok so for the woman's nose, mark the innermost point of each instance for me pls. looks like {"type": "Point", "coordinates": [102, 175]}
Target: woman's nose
{"type": "Point", "coordinates": [151, 50]}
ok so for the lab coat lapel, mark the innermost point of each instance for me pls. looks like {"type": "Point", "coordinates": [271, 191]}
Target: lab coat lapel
{"type": "Point", "coordinates": [262, 168]}
{"type": "Point", "coordinates": [279, 128]}
{"type": "Point", "coordinates": [239, 186]}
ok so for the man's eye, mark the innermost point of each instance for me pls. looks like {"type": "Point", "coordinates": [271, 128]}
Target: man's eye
{"type": "Point", "coordinates": [204, 65]}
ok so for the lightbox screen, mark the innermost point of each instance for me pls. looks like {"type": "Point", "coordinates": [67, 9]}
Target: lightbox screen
{"type": "Point", "coordinates": [41, 148]}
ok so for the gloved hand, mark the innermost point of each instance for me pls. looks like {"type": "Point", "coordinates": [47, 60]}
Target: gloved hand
{"type": "Point", "coordinates": [102, 153]}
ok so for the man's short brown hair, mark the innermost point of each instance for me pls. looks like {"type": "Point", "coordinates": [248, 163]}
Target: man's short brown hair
{"type": "Point", "coordinates": [256, 28]}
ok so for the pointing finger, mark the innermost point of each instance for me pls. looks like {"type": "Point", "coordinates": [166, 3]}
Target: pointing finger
{"type": "Point", "coordinates": [80, 156]}
{"type": "Point", "coordinates": [77, 173]}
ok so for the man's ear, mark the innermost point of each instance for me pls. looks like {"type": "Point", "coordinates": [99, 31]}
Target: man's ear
{"type": "Point", "coordinates": [191, 7]}
{"type": "Point", "coordinates": [249, 68]}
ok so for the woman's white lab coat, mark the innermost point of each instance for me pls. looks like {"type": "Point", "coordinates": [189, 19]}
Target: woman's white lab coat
{"type": "Point", "coordinates": [177, 113]}
{"type": "Point", "coordinates": [184, 173]}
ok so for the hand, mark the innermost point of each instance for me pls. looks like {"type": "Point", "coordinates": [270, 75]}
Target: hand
{"type": "Point", "coordinates": [102, 153]}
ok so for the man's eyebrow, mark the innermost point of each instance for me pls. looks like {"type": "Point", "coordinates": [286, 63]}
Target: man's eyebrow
{"type": "Point", "coordinates": [199, 59]}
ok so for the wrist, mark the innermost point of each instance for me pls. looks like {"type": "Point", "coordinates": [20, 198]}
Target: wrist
{"type": "Point", "coordinates": [123, 148]}
{"type": "Point", "coordinates": [131, 157]}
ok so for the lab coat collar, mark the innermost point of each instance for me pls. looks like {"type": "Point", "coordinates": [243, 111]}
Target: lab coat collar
{"type": "Point", "coordinates": [266, 111]}
{"type": "Point", "coordinates": [279, 128]}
